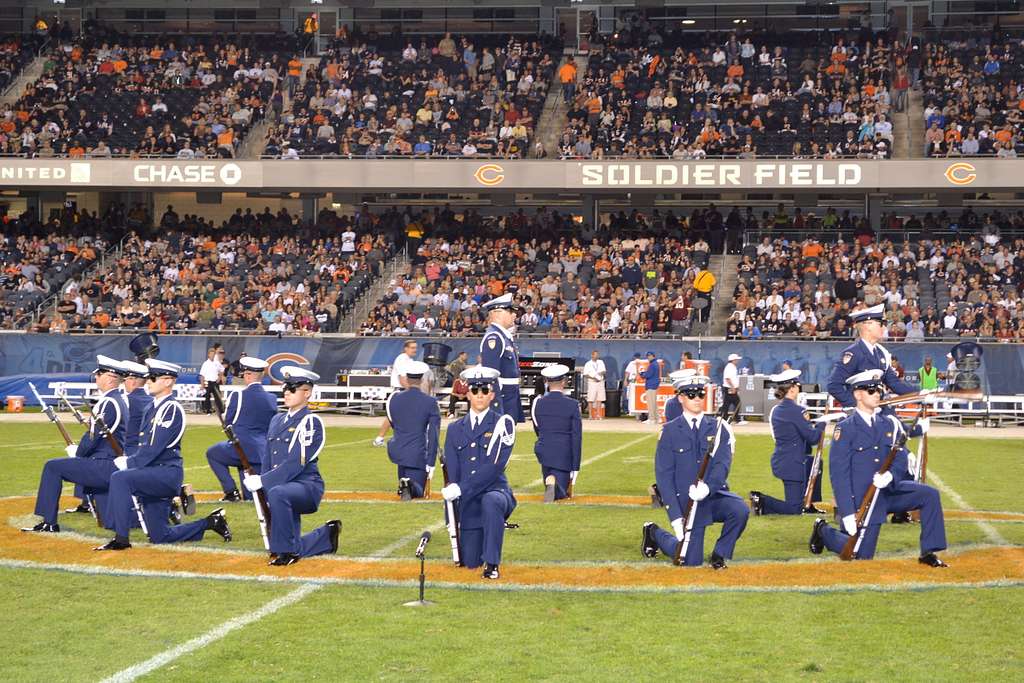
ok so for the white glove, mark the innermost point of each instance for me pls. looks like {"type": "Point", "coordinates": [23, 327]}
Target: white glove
{"type": "Point", "coordinates": [881, 479]}
{"type": "Point", "coordinates": [121, 462]}
{"type": "Point", "coordinates": [253, 482]}
{"type": "Point", "coordinates": [677, 527]}
{"type": "Point", "coordinates": [379, 441]}
{"type": "Point", "coordinates": [430, 473]}
{"type": "Point", "coordinates": [699, 491]}
{"type": "Point", "coordinates": [71, 449]}
{"type": "Point", "coordinates": [924, 423]}
{"type": "Point", "coordinates": [573, 475]}
{"type": "Point", "coordinates": [451, 492]}
{"type": "Point", "coordinates": [850, 524]}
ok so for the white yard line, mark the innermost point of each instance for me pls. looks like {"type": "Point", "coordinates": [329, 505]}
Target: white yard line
{"type": "Point", "coordinates": [213, 635]}
{"type": "Point", "coordinates": [387, 550]}
{"type": "Point", "coordinates": [988, 529]}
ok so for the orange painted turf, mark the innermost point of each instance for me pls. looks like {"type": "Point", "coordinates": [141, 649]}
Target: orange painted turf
{"type": "Point", "coordinates": [971, 566]}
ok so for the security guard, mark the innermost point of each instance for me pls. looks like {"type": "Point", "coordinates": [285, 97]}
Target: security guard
{"type": "Point", "coordinates": [498, 351]}
{"type": "Point", "coordinates": [867, 354]}
{"type": "Point", "coordinates": [681, 449]}
{"type": "Point", "coordinates": [477, 448]}
{"type": "Point", "coordinates": [860, 445]}
{"type": "Point", "coordinates": [416, 421]}
{"type": "Point", "coordinates": [89, 463]}
{"type": "Point", "coordinates": [151, 476]}
{"type": "Point", "coordinates": [794, 438]}
{"type": "Point", "coordinates": [559, 427]}
{"type": "Point", "coordinates": [291, 477]}
{"type": "Point", "coordinates": [249, 412]}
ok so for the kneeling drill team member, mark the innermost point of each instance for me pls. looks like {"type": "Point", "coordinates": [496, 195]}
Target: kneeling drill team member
{"type": "Point", "coordinates": [498, 351]}
{"type": "Point", "coordinates": [153, 473]}
{"type": "Point", "coordinates": [681, 449]}
{"type": "Point", "coordinates": [476, 450]}
{"type": "Point", "coordinates": [249, 411]}
{"type": "Point", "coordinates": [416, 421]}
{"type": "Point", "coordinates": [794, 437]}
{"type": "Point", "coordinates": [559, 428]}
{"type": "Point", "coordinates": [859, 447]}
{"type": "Point", "coordinates": [139, 401]}
{"type": "Point", "coordinates": [291, 477]}
{"type": "Point", "coordinates": [90, 462]}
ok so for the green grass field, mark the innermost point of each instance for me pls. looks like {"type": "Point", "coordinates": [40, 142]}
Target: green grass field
{"type": "Point", "coordinates": [73, 626]}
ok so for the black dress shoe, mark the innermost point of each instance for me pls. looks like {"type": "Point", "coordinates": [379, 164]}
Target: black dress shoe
{"type": "Point", "coordinates": [334, 528]}
{"type": "Point", "coordinates": [491, 571]}
{"type": "Point", "coordinates": [231, 497]}
{"type": "Point", "coordinates": [932, 560]}
{"type": "Point", "coordinates": [811, 510]}
{"type": "Point", "coordinates": [900, 518]}
{"type": "Point", "coordinates": [114, 544]}
{"type": "Point", "coordinates": [717, 562]}
{"type": "Point", "coordinates": [404, 489]}
{"type": "Point", "coordinates": [284, 559]}
{"type": "Point", "coordinates": [43, 527]}
{"type": "Point", "coordinates": [188, 500]}
{"type": "Point", "coordinates": [817, 542]}
{"type": "Point", "coordinates": [83, 508]}
{"type": "Point", "coordinates": [649, 546]}
{"type": "Point", "coordinates": [174, 516]}
{"type": "Point", "coordinates": [218, 524]}
{"type": "Point", "coordinates": [756, 504]}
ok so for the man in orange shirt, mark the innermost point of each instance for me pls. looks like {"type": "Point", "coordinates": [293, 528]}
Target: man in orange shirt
{"type": "Point", "coordinates": [294, 74]}
{"type": "Point", "coordinates": [567, 75]}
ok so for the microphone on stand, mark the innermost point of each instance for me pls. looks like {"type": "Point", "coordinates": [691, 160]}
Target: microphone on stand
{"type": "Point", "coordinates": [421, 555]}
{"type": "Point", "coordinates": [422, 547]}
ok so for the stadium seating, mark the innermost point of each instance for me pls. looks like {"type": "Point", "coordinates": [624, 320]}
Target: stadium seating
{"type": "Point", "coordinates": [388, 99]}
{"type": "Point", "coordinates": [115, 95]}
{"type": "Point", "coordinates": [972, 105]}
{"type": "Point", "coordinates": [15, 54]}
{"type": "Point", "coordinates": [746, 96]}
{"type": "Point", "coordinates": [963, 286]}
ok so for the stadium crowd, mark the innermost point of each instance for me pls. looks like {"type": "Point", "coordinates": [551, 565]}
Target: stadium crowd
{"type": "Point", "coordinates": [104, 94]}
{"type": "Point", "coordinates": [683, 96]}
{"type": "Point", "coordinates": [620, 280]}
{"type": "Point", "coordinates": [15, 54]}
{"type": "Point", "coordinates": [972, 97]}
{"type": "Point", "coordinates": [462, 96]}
{"type": "Point", "coordinates": [967, 285]}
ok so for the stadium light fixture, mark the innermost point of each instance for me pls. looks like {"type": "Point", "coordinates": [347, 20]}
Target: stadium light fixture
{"type": "Point", "coordinates": [688, 22]}
{"type": "Point", "coordinates": [739, 21]}
{"type": "Point", "coordinates": [316, 2]}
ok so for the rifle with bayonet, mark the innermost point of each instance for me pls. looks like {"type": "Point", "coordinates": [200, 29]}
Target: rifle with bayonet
{"type": "Point", "coordinates": [690, 514]}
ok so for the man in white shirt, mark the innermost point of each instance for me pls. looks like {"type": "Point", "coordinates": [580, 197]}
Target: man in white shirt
{"type": "Point", "coordinates": [348, 241]}
{"type": "Point", "coordinates": [399, 381]}
{"type": "Point", "coordinates": [731, 389]}
{"type": "Point", "coordinates": [629, 376]}
{"type": "Point", "coordinates": [595, 372]}
{"type": "Point", "coordinates": [211, 373]}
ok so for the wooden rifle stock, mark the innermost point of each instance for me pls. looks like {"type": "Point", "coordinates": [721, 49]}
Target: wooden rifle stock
{"type": "Point", "coordinates": [259, 497]}
{"type": "Point", "coordinates": [815, 470]}
{"type": "Point", "coordinates": [871, 495]}
{"type": "Point", "coordinates": [680, 555]}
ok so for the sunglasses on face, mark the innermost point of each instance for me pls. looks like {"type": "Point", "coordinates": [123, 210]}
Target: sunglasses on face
{"type": "Point", "coordinates": [291, 388]}
{"type": "Point", "coordinates": [873, 390]}
{"type": "Point", "coordinates": [691, 393]}
{"type": "Point", "coordinates": [480, 390]}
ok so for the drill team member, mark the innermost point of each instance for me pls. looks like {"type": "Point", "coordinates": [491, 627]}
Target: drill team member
{"type": "Point", "coordinates": [674, 406]}
{"type": "Point", "coordinates": [153, 473]}
{"type": "Point", "coordinates": [681, 449]}
{"type": "Point", "coordinates": [859, 447]}
{"type": "Point", "coordinates": [291, 477]}
{"type": "Point", "coordinates": [249, 412]}
{"type": "Point", "coordinates": [794, 438]}
{"type": "Point", "coordinates": [559, 428]}
{"type": "Point", "coordinates": [498, 351]}
{"type": "Point", "coordinates": [476, 450]}
{"type": "Point", "coordinates": [416, 421]}
{"type": "Point", "coordinates": [138, 400]}
{"type": "Point", "coordinates": [90, 462]}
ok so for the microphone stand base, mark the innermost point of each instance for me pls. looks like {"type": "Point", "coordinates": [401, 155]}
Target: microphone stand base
{"type": "Point", "coordinates": [419, 603]}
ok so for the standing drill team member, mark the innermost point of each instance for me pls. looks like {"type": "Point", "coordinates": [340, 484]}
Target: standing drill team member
{"type": "Point", "coordinates": [677, 461]}
{"type": "Point", "coordinates": [498, 351]}
{"type": "Point", "coordinates": [291, 477]}
{"type": "Point", "coordinates": [859, 447]}
{"type": "Point", "coordinates": [90, 462]}
{"type": "Point", "coordinates": [559, 428]}
{"type": "Point", "coordinates": [153, 473]}
{"type": "Point", "coordinates": [476, 450]}
{"type": "Point", "coordinates": [249, 412]}
{"type": "Point", "coordinates": [794, 438]}
{"type": "Point", "coordinates": [416, 421]}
